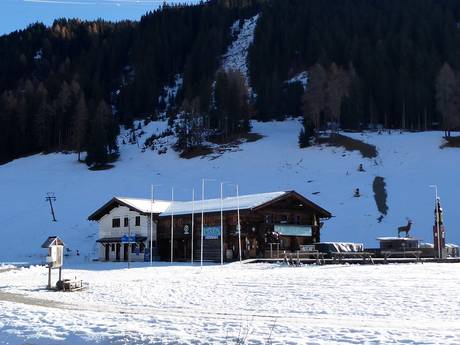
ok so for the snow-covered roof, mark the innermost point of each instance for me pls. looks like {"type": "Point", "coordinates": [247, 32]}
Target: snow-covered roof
{"type": "Point", "coordinates": [397, 238]}
{"type": "Point", "coordinates": [140, 205]}
{"type": "Point", "coordinates": [228, 204]}
{"type": "Point", "coordinates": [146, 205]}
{"type": "Point", "coordinates": [52, 241]}
{"type": "Point", "coordinates": [166, 208]}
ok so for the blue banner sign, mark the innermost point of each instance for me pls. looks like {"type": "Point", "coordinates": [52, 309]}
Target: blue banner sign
{"type": "Point", "coordinates": [211, 232]}
{"type": "Point", "coordinates": [128, 239]}
{"type": "Point", "coordinates": [293, 230]}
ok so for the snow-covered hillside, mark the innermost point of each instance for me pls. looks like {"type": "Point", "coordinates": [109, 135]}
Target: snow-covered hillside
{"type": "Point", "coordinates": [409, 162]}
{"type": "Point", "coordinates": [237, 53]}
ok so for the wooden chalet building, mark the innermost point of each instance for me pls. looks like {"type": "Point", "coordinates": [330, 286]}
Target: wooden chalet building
{"type": "Point", "coordinates": [269, 222]}
{"type": "Point", "coordinates": [122, 216]}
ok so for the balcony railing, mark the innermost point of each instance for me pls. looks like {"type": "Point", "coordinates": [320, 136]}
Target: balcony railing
{"type": "Point", "coordinates": [118, 232]}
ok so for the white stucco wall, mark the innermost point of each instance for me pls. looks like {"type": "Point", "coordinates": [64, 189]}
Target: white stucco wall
{"type": "Point", "coordinates": [106, 230]}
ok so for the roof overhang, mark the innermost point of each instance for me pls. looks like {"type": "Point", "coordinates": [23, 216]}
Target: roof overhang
{"type": "Point", "coordinates": [110, 205]}
{"type": "Point", "coordinates": [115, 202]}
{"type": "Point", "coordinates": [319, 211]}
{"type": "Point", "coordinates": [52, 241]}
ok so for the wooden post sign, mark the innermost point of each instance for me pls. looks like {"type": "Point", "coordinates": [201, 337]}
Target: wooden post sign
{"type": "Point", "coordinates": [55, 257]}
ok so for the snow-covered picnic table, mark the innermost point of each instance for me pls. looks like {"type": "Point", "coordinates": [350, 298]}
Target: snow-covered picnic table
{"type": "Point", "coordinates": [365, 256]}
{"type": "Point", "coordinates": [318, 256]}
{"type": "Point", "coordinates": [415, 253]}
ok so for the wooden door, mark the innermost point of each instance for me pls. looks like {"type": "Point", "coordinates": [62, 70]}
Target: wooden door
{"type": "Point", "coordinates": [107, 251]}
{"type": "Point", "coordinates": [117, 253]}
{"type": "Point", "coordinates": [125, 252]}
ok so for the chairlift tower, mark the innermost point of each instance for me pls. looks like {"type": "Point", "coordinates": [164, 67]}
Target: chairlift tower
{"type": "Point", "coordinates": [50, 198]}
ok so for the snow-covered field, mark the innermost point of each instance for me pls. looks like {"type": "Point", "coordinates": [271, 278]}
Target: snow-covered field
{"type": "Point", "coordinates": [235, 304]}
{"type": "Point", "coordinates": [409, 162]}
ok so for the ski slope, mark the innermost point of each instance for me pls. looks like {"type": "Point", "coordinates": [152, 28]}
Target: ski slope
{"type": "Point", "coordinates": [236, 57]}
{"type": "Point", "coordinates": [409, 162]}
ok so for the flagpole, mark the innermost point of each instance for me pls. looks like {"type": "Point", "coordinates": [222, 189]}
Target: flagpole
{"type": "Point", "coordinates": [151, 227]}
{"type": "Point", "coordinates": [172, 224]}
{"type": "Point", "coordinates": [202, 216]}
{"type": "Point", "coordinates": [202, 221]}
{"type": "Point", "coordinates": [193, 221]}
{"type": "Point", "coordinates": [239, 223]}
{"type": "Point", "coordinates": [221, 223]}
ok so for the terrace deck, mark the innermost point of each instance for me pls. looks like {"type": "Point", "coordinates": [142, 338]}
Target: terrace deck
{"type": "Point", "coordinates": [377, 260]}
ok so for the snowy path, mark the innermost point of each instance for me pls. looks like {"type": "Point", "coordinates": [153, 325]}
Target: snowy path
{"type": "Point", "coordinates": [415, 304]}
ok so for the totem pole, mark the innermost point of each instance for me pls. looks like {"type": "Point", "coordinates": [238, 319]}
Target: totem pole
{"type": "Point", "coordinates": [439, 236]}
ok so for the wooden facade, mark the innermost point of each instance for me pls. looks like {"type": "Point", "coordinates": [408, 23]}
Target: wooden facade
{"type": "Point", "coordinates": [258, 230]}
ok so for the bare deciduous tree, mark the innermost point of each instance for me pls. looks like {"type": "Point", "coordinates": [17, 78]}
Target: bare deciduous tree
{"type": "Point", "coordinates": [314, 97]}
{"type": "Point", "coordinates": [325, 92]}
{"type": "Point", "coordinates": [447, 93]}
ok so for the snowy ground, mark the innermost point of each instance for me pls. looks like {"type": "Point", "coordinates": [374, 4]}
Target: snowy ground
{"type": "Point", "coordinates": [409, 162]}
{"type": "Point", "coordinates": [249, 304]}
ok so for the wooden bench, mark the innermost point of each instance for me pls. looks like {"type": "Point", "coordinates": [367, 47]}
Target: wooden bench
{"type": "Point", "coordinates": [365, 256]}
{"type": "Point", "coordinates": [415, 253]}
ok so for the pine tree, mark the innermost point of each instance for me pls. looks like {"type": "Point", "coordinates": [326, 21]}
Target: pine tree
{"type": "Point", "coordinates": [80, 124]}
{"type": "Point", "coordinates": [306, 133]}
{"type": "Point", "coordinates": [97, 154]}
{"type": "Point", "coordinates": [231, 103]}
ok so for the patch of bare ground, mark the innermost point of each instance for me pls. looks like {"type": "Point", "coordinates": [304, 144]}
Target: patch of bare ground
{"type": "Point", "coordinates": [199, 151]}
{"type": "Point", "coordinates": [102, 167]}
{"type": "Point", "coordinates": [235, 139]}
{"type": "Point", "coordinates": [227, 144]}
{"type": "Point", "coordinates": [380, 196]}
{"type": "Point", "coordinates": [451, 142]}
{"type": "Point", "coordinates": [350, 144]}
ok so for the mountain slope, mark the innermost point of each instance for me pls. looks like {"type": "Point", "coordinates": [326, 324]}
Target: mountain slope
{"type": "Point", "coordinates": [409, 162]}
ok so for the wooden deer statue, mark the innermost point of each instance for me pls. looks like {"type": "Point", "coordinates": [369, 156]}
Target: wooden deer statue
{"type": "Point", "coordinates": [405, 228]}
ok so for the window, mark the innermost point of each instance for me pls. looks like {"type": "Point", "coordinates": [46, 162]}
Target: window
{"type": "Point", "coordinates": [268, 219]}
{"type": "Point", "coordinates": [126, 222]}
{"type": "Point", "coordinates": [142, 247]}
{"type": "Point", "coordinates": [133, 248]}
{"type": "Point", "coordinates": [115, 222]}
{"type": "Point", "coordinates": [113, 247]}
{"type": "Point", "coordinates": [138, 221]}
